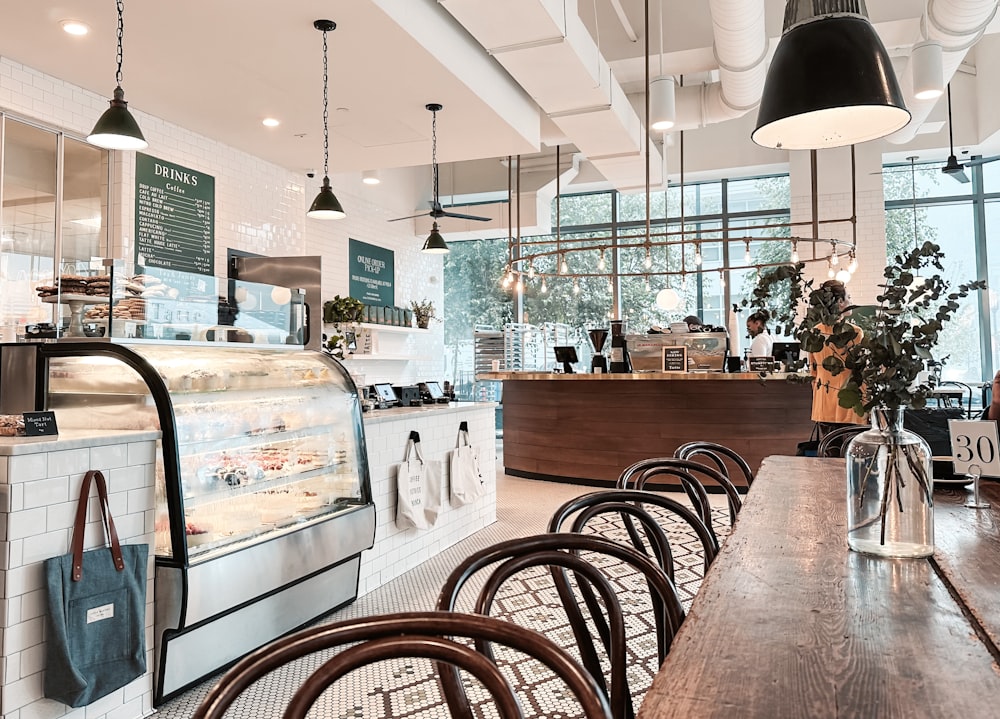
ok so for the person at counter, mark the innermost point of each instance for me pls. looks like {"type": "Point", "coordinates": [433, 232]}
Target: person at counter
{"type": "Point", "coordinates": [762, 341]}
{"type": "Point", "coordinates": [826, 409]}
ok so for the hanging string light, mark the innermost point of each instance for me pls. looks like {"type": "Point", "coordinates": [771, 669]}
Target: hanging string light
{"type": "Point", "coordinates": [747, 257]}
{"type": "Point", "coordinates": [795, 252]}
{"type": "Point", "coordinates": [834, 257]}
{"type": "Point", "coordinates": [602, 263]}
{"type": "Point", "coordinates": [852, 266]}
{"type": "Point", "coordinates": [722, 279]}
{"type": "Point", "coordinates": [697, 254]}
{"type": "Point", "coordinates": [576, 285]}
{"type": "Point", "coordinates": [531, 270]}
{"type": "Point", "coordinates": [648, 261]}
{"type": "Point", "coordinates": [563, 266]}
{"type": "Point", "coordinates": [544, 288]}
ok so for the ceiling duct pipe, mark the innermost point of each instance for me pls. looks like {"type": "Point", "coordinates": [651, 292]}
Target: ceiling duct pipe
{"type": "Point", "coordinates": [740, 49]}
{"type": "Point", "coordinates": [957, 25]}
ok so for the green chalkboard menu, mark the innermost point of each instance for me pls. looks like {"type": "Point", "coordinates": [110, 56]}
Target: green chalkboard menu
{"type": "Point", "coordinates": [372, 271]}
{"type": "Point", "coordinates": [174, 216]}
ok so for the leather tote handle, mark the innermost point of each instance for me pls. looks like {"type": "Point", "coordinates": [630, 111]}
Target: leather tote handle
{"type": "Point", "coordinates": [81, 522]}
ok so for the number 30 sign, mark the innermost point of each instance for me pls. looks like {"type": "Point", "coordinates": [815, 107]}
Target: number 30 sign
{"type": "Point", "coordinates": [975, 448]}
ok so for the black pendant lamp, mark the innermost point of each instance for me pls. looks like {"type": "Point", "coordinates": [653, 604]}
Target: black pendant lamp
{"type": "Point", "coordinates": [116, 129]}
{"type": "Point", "coordinates": [435, 244]}
{"type": "Point", "coordinates": [326, 206]}
{"type": "Point", "coordinates": [830, 83]}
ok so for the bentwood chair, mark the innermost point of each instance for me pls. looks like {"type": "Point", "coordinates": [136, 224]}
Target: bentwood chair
{"type": "Point", "coordinates": [718, 454]}
{"type": "Point", "coordinates": [615, 514]}
{"type": "Point", "coordinates": [692, 476]}
{"type": "Point", "coordinates": [568, 586]}
{"type": "Point", "coordinates": [835, 442]}
{"type": "Point", "coordinates": [389, 640]}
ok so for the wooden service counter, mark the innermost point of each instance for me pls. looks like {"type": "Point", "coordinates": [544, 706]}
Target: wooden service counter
{"type": "Point", "coordinates": [589, 427]}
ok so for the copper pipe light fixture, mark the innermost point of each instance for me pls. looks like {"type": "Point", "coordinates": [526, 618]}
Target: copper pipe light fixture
{"type": "Point", "coordinates": [116, 129]}
{"type": "Point", "coordinates": [326, 206]}
{"type": "Point", "coordinates": [831, 81]}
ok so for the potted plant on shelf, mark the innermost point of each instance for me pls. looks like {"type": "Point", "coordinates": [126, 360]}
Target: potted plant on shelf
{"type": "Point", "coordinates": [341, 310]}
{"type": "Point", "coordinates": [890, 505]}
{"type": "Point", "coordinates": [423, 311]}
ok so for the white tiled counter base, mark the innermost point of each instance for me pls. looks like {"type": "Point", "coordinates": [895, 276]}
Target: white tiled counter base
{"type": "Point", "coordinates": [40, 483]}
{"type": "Point", "coordinates": [386, 432]}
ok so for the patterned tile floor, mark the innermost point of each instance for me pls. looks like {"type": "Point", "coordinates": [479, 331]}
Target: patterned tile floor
{"type": "Point", "coordinates": [407, 687]}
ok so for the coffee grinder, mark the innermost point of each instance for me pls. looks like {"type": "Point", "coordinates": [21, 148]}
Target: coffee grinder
{"type": "Point", "coordinates": [599, 364]}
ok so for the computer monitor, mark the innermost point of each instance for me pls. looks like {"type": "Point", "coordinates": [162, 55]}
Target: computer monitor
{"type": "Point", "coordinates": [434, 390]}
{"type": "Point", "coordinates": [786, 351]}
{"type": "Point", "coordinates": [385, 392]}
{"type": "Point", "coordinates": [566, 355]}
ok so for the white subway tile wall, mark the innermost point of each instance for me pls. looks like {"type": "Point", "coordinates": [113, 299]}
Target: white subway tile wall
{"type": "Point", "coordinates": [39, 525]}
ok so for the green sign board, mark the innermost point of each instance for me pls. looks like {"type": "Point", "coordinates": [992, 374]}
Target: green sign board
{"type": "Point", "coordinates": [372, 274]}
{"type": "Point", "coordinates": [174, 216]}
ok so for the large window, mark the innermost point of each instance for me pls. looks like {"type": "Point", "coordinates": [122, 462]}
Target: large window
{"type": "Point", "coordinates": [922, 204]}
{"type": "Point", "coordinates": [597, 263]}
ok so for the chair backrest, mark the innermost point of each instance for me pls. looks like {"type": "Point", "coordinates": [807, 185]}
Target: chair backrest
{"type": "Point", "coordinates": [835, 442]}
{"type": "Point", "coordinates": [562, 554]}
{"type": "Point", "coordinates": [717, 454]}
{"type": "Point", "coordinates": [630, 504]}
{"type": "Point", "coordinates": [428, 635]}
{"type": "Point", "coordinates": [691, 475]}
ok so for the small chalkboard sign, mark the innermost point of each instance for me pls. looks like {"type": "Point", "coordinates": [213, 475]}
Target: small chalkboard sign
{"type": "Point", "coordinates": [40, 424]}
{"type": "Point", "coordinates": [760, 364]}
{"type": "Point", "coordinates": [675, 359]}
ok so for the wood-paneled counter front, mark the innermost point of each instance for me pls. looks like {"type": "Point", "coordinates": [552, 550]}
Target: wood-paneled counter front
{"type": "Point", "coordinates": [589, 427]}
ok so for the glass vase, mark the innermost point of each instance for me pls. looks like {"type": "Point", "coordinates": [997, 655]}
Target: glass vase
{"type": "Point", "coordinates": [890, 504]}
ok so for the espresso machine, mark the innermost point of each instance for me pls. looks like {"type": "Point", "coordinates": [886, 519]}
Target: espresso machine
{"type": "Point", "coordinates": [599, 364]}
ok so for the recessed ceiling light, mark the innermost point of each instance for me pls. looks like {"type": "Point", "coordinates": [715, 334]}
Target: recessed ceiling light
{"type": "Point", "coordinates": [75, 27]}
{"type": "Point", "coordinates": [370, 177]}
{"type": "Point", "coordinates": [270, 122]}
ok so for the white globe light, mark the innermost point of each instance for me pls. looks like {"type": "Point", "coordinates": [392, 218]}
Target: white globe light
{"type": "Point", "coordinates": [281, 295]}
{"type": "Point", "coordinates": [667, 299]}
{"type": "Point", "coordinates": [844, 276]}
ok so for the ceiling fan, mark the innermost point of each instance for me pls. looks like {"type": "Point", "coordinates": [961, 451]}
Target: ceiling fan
{"type": "Point", "coordinates": [953, 167]}
{"type": "Point", "coordinates": [436, 210]}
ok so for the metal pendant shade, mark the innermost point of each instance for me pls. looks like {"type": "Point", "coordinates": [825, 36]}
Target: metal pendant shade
{"type": "Point", "coordinates": [116, 129]}
{"type": "Point", "coordinates": [326, 206]}
{"type": "Point", "coordinates": [831, 82]}
{"type": "Point", "coordinates": [435, 244]}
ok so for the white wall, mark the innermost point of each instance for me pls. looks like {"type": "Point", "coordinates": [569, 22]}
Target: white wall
{"type": "Point", "coordinates": [260, 207]}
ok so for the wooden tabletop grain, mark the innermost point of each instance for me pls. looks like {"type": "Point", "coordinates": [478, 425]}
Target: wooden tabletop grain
{"type": "Point", "coordinates": [790, 623]}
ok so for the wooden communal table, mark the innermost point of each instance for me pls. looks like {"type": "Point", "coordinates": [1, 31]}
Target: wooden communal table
{"type": "Point", "coordinates": [967, 553]}
{"type": "Point", "coordinates": [790, 623]}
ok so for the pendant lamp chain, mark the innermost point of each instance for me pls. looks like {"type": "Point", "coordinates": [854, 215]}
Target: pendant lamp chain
{"type": "Point", "coordinates": [326, 110]}
{"type": "Point", "coordinates": [121, 34]}
{"type": "Point", "coordinates": [434, 154]}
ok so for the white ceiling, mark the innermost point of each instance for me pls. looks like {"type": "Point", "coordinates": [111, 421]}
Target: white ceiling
{"type": "Point", "coordinates": [218, 67]}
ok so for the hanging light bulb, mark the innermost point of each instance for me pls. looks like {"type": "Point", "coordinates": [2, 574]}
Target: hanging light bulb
{"type": "Point", "coordinates": [531, 270]}
{"type": "Point", "coordinates": [667, 299]}
{"type": "Point", "coordinates": [852, 266]}
{"type": "Point", "coordinates": [795, 252]}
{"type": "Point", "coordinates": [647, 283]}
{"type": "Point", "coordinates": [601, 263]}
{"type": "Point", "coordinates": [834, 257]}
{"type": "Point", "coordinates": [326, 206]}
{"type": "Point", "coordinates": [116, 129]}
{"type": "Point", "coordinates": [747, 257]}
{"type": "Point", "coordinates": [576, 286]}
{"type": "Point", "coordinates": [830, 272]}
{"type": "Point", "coordinates": [648, 262]}
{"type": "Point", "coordinates": [519, 285]}
{"type": "Point", "coordinates": [544, 288]}
{"type": "Point", "coordinates": [684, 281]}
{"type": "Point", "coordinates": [697, 254]}
{"type": "Point", "coordinates": [611, 285]}
{"type": "Point", "coordinates": [563, 266]}
{"type": "Point", "coordinates": [844, 276]}
{"type": "Point", "coordinates": [722, 280]}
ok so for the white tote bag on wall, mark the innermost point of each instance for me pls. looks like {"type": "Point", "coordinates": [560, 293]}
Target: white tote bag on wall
{"type": "Point", "coordinates": [418, 488]}
{"type": "Point", "coordinates": [467, 483]}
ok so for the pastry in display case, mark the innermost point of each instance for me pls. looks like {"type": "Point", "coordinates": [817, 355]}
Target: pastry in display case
{"type": "Point", "coordinates": [263, 497]}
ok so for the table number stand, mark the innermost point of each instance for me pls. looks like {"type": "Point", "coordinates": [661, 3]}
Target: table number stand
{"type": "Point", "coordinates": [975, 450]}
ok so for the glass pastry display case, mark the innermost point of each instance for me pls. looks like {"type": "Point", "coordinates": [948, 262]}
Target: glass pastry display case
{"type": "Point", "coordinates": [263, 494]}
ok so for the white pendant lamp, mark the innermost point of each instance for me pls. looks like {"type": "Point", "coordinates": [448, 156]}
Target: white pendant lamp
{"type": "Point", "coordinates": [927, 71]}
